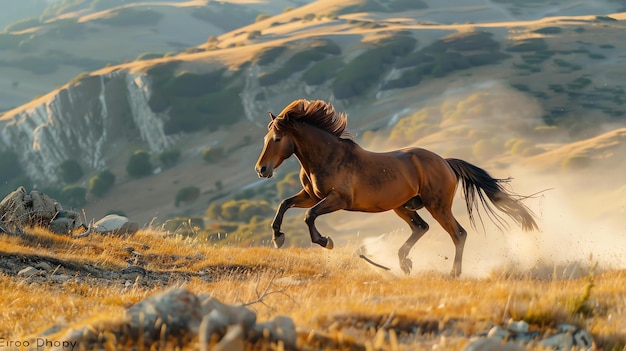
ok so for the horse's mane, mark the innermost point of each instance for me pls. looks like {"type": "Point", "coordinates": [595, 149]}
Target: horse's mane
{"type": "Point", "coordinates": [317, 113]}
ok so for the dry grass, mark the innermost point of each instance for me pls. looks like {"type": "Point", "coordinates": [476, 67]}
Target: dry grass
{"type": "Point", "coordinates": [333, 293]}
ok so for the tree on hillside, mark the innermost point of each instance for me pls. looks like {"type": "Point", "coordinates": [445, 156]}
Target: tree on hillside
{"type": "Point", "coordinates": [70, 171]}
{"type": "Point", "coordinates": [139, 164]}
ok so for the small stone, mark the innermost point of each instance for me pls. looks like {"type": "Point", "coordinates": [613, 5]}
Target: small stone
{"type": "Point", "coordinates": [517, 326]}
{"type": "Point", "coordinates": [59, 278]}
{"type": "Point", "coordinates": [232, 341]}
{"type": "Point", "coordinates": [488, 344]}
{"type": "Point", "coordinates": [564, 328]}
{"type": "Point", "coordinates": [28, 272]}
{"type": "Point", "coordinates": [44, 265]}
{"type": "Point", "coordinates": [132, 272]}
{"type": "Point", "coordinates": [498, 333]}
{"type": "Point", "coordinates": [561, 341]}
{"type": "Point", "coordinates": [233, 314]}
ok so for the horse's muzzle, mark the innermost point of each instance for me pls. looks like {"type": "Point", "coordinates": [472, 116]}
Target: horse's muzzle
{"type": "Point", "coordinates": [264, 171]}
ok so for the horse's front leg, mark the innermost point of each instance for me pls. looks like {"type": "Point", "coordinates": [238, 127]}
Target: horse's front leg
{"type": "Point", "coordinates": [328, 204]}
{"type": "Point", "coordinates": [301, 200]}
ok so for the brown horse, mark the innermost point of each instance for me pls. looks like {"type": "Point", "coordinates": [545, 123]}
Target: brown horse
{"type": "Point", "coordinates": [337, 174]}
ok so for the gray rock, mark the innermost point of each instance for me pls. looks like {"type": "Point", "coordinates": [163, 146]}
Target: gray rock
{"type": "Point", "coordinates": [59, 278]}
{"type": "Point", "coordinates": [233, 340]}
{"type": "Point", "coordinates": [233, 314]}
{"type": "Point", "coordinates": [491, 344]}
{"type": "Point", "coordinates": [517, 326]}
{"type": "Point", "coordinates": [28, 272]}
{"type": "Point", "coordinates": [132, 272]}
{"type": "Point", "coordinates": [61, 226]}
{"type": "Point", "coordinates": [44, 265]}
{"type": "Point", "coordinates": [281, 329]}
{"type": "Point", "coordinates": [172, 313]}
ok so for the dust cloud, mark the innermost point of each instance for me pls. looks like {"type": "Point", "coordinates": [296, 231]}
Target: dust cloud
{"type": "Point", "coordinates": [581, 212]}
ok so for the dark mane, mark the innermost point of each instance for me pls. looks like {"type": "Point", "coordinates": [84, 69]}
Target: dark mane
{"type": "Point", "coordinates": [316, 113]}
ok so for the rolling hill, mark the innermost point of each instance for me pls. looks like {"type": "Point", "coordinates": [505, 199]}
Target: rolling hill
{"type": "Point", "coordinates": [496, 83]}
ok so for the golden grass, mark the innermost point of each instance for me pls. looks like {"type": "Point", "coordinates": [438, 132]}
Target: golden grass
{"type": "Point", "coordinates": [333, 293]}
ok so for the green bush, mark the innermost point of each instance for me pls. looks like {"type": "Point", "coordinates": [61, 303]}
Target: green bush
{"type": "Point", "coordinates": [548, 30]}
{"type": "Point", "coordinates": [261, 16]}
{"type": "Point", "coordinates": [9, 166]}
{"type": "Point", "coordinates": [169, 157]}
{"type": "Point", "coordinates": [70, 171]}
{"type": "Point", "coordinates": [322, 71]}
{"type": "Point", "coordinates": [130, 16]}
{"type": "Point", "coordinates": [187, 194]}
{"type": "Point", "coordinates": [530, 44]}
{"type": "Point", "coordinates": [213, 154]}
{"type": "Point", "coordinates": [10, 41]}
{"type": "Point", "coordinates": [149, 56]}
{"type": "Point", "coordinates": [365, 70]}
{"type": "Point", "coordinates": [23, 24]}
{"type": "Point", "coordinates": [139, 164]}
{"type": "Point", "coordinates": [73, 196]}
{"type": "Point", "coordinates": [268, 55]}
{"type": "Point", "coordinates": [99, 5]}
{"type": "Point", "coordinates": [101, 183]}
{"type": "Point", "coordinates": [240, 210]}
{"type": "Point", "coordinates": [186, 226]}
{"type": "Point", "coordinates": [195, 101]}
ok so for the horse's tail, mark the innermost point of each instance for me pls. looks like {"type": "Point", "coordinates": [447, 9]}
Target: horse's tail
{"type": "Point", "coordinates": [476, 181]}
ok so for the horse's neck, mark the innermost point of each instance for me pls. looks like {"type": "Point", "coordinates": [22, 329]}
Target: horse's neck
{"type": "Point", "coordinates": [316, 148]}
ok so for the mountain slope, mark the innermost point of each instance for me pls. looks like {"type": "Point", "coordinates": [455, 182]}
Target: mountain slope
{"type": "Point", "coordinates": [448, 87]}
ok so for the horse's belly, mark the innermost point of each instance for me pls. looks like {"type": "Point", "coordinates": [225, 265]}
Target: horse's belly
{"type": "Point", "coordinates": [381, 201]}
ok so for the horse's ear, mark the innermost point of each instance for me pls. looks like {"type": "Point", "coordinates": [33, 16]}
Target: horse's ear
{"type": "Point", "coordinates": [272, 116]}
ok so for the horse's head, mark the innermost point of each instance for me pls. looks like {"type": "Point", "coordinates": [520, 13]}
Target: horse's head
{"type": "Point", "coordinates": [277, 147]}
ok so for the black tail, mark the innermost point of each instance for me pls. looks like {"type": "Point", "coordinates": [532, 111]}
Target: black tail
{"type": "Point", "coordinates": [476, 181]}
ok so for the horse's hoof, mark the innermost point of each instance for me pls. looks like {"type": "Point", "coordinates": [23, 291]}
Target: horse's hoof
{"type": "Point", "coordinates": [329, 243]}
{"type": "Point", "coordinates": [406, 265]}
{"type": "Point", "coordinates": [278, 240]}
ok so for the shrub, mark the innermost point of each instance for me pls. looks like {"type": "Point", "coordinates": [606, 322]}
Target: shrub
{"type": "Point", "coordinates": [22, 24]}
{"type": "Point", "coordinates": [268, 55]}
{"type": "Point", "coordinates": [213, 154]}
{"type": "Point", "coordinates": [548, 30]}
{"type": "Point", "coordinates": [526, 45]}
{"type": "Point", "coordinates": [139, 164]}
{"type": "Point", "coordinates": [73, 196]}
{"type": "Point", "coordinates": [261, 16]}
{"type": "Point", "coordinates": [148, 56]}
{"type": "Point", "coordinates": [169, 157]}
{"type": "Point", "coordinates": [70, 171]}
{"type": "Point", "coordinates": [322, 71]}
{"type": "Point", "coordinates": [101, 183]}
{"type": "Point", "coordinates": [130, 16]}
{"type": "Point", "coordinates": [186, 226]}
{"type": "Point", "coordinates": [9, 166]}
{"type": "Point", "coordinates": [214, 211]}
{"type": "Point", "coordinates": [10, 41]}
{"type": "Point", "coordinates": [187, 194]}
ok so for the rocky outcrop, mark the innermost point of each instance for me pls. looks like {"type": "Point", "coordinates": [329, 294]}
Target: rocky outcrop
{"type": "Point", "coordinates": [81, 121]}
{"type": "Point", "coordinates": [178, 317]}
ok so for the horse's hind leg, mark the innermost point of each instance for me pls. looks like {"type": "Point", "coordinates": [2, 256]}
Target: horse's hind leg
{"type": "Point", "coordinates": [446, 219]}
{"type": "Point", "coordinates": [418, 229]}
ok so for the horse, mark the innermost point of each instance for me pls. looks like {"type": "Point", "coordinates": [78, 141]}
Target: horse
{"type": "Point", "coordinates": [338, 174]}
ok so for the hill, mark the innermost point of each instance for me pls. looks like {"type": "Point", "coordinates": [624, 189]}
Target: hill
{"type": "Point", "coordinates": [504, 89]}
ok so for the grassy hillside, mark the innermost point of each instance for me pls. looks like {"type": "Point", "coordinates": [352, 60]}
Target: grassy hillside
{"type": "Point", "coordinates": [337, 300]}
